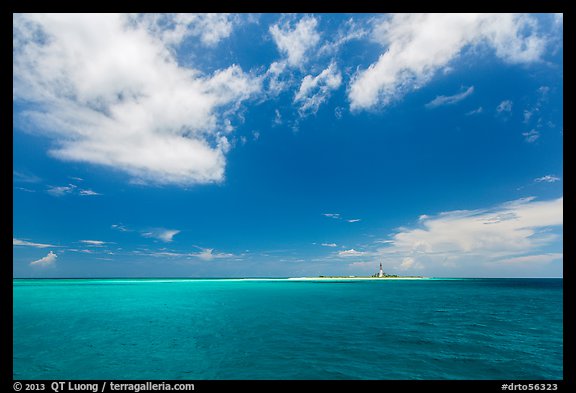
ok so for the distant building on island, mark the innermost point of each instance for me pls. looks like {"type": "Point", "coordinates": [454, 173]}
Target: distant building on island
{"type": "Point", "coordinates": [380, 273]}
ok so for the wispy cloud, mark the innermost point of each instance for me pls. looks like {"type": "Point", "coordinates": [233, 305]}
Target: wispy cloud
{"type": "Point", "coordinates": [476, 111]}
{"type": "Point", "coordinates": [449, 100]}
{"type": "Point", "coordinates": [415, 47]}
{"type": "Point", "coordinates": [172, 29]}
{"type": "Point", "coordinates": [547, 179]}
{"type": "Point", "coordinates": [58, 191]}
{"type": "Point", "coordinates": [208, 254]}
{"type": "Point", "coordinates": [533, 259]}
{"type": "Point", "coordinates": [96, 243]}
{"type": "Point", "coordinates": [47, 261]}
{"type": "Point", "coordinates": [329, 244]}
{"type": "Point", "coordinates": [349, 31]}
{"type": "Point", "coordinates": [88, 193]}
{"type": "Point", "coordinates": [24, 189]}
{"type": "Point", "coordinates": [314, 90]}
{"type": "Point", "coordinates": [19, 242]}
{"type": "Point", "coordinates": [338, 216]}
{"type": "Point", "coordinates": [504, 106]}
{"type": "Point", "coordinates": [205, 254]}
{"type": "Point", "coordinates": [70, 189]}
{"type": "Point", "coordinates": [25, 177]}
{"type": "Point", "coordinates": [531, 136]}
{"type": "Point", "coordinates": [120, 227]}
{"type": "Point", "coordinates": [163, 234]}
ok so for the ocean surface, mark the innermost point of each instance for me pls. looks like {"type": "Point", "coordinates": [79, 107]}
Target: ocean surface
{"type": "Point", "coordinates": [283, 329]}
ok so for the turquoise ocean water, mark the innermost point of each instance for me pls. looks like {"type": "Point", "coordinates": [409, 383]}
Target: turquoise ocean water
{"type": "Point", "coordinates": [281, 329]}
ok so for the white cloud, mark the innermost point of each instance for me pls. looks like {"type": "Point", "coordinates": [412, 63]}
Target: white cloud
{"type": "Point", "coordinates": [329, 244]}
{"type": "Point", "coordinates": [547, 179]}
{"type": "Point", "coordinates": [417, 46]}
{"type": "Point", "coordinates": [531, 136]}
{"type": "Point", "coordinates": [70, 189]}
{"type": "Point", "coordinates": [25, 177]}
{"type": "Point", "coordinates": [504, 106]}
{"type": "Point", "coordinates": [94, 242]}
{"type": "Point", "coordinates": [534, 259]}
{"type": "Point", "coordinates": [24, 189]}
{"type": "Point", "coordinates": [348, 31]}
{"type": "Point", "coordinates": [120, 227]}
{"type": "Point", "coordinates": [354, 220]}
{"type": "Point", "coordinates": [314, 90]}
{"type": "Point", "coordinates": [278, 80]}
{"type": "Point", "coordinates": [351, 253]}
{"type": "Point", "coordinates": [172, 29]}
{"type": "Point", "coordinates": [335, 216]}
{"type": "Point", "coordinates": [19, 242]}
{"type": "Point", "coordinates": [409, 263]}
{"type": "Point", "coordinates": [448, 100]}
{"type": "Point", "coordinates": [508, 232]}
{"type": "Point", "coordinates": [88, 193]}
{"type": "Point", "coordinates": [60, 190]}
{"type": "Point", "coordinates": [109, 92]}
{"type": "Point", "coordinates": [47, 261]}
{"type": "Point", "coordinates": [166, 235]}
{"type": "Point", "coordinates": [476, 111]}
{"type": "Point", "coordinates": [295, 42]}
{"type": "Point", "coordinates": [208, 254]}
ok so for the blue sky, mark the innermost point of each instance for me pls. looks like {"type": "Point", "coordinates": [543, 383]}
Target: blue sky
{"type": "Point", "coordinates": [287, 145]}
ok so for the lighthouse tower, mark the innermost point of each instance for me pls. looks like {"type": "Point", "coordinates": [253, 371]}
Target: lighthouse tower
{"type": "Point", "coordinates": [380, 273]}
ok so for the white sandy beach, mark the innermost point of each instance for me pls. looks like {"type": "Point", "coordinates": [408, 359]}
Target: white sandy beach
{"type": "Point", "coordinates": [354, 278]}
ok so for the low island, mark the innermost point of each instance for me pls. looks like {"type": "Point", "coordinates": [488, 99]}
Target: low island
{"type": "Point", "coordinates": [377, 276]}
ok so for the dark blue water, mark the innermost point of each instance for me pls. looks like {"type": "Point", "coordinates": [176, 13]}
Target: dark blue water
{"type": "Point", "coordinates": [238, 329]}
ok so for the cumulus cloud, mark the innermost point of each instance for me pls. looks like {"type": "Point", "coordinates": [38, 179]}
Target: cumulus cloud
{"type": "Point", "coordinates": [165, 235]}
{"type": "Point", "coordinates": [108, 90]}
{"type": "Point", "coordinates": [47, 261]}
{"type": "Point", "coordinates": [417, 46]}
{"type": "Point", "coordinates": [19, 242]}
{"type": "Point", "coordinates": [295, 41]}
{"type": "Point", "coordinates": [410, 263]}
{"type": "Point", "coordinates": [547, 179]}
{"type": "Point", "coordinates": [351, 253]}
{"type": "Point", "coordinates": [511, 232]}
{"type": "Point", "coordinates": [448, 100]}
{"type": "Point", "coordinates": [314, 90]}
